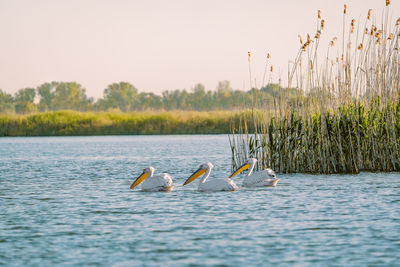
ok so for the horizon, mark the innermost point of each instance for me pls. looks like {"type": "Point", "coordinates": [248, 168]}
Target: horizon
{"type": "Point", "coordinates": [181, 43]}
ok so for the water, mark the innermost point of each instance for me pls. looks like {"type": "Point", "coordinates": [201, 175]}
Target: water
{"type": "Point", "coordinates": [65, 201]}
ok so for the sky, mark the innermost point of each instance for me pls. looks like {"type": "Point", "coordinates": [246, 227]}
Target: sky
{"type": "Point", "coordinates": [160, 45]}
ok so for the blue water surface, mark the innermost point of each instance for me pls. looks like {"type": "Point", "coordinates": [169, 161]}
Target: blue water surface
{"type": "Point", "coordinates": [66, 201]}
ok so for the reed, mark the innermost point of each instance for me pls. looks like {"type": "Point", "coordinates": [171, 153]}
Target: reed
{"type": "Point", "coordinates": [61, 123]}
{"type": "Point", "coordinates": [346, 117]}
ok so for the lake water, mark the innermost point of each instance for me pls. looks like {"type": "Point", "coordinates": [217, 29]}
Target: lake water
{"type": "Point", "coordinates": [65, 201]}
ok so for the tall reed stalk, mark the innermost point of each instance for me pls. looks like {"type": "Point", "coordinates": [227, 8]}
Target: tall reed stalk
{"type": "Point", "coordinates": [346, 117]}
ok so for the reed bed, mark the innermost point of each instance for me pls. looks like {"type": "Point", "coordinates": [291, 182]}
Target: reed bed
{"type": "Point", "coordinates": [63, 123]}
{"type": "Point", "coordinates": [346, 117]}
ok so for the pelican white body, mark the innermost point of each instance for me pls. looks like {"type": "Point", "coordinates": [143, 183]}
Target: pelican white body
{"type": "Point", "coordinates": [213, 185]}
{"type": "Point", "coordinates": [153, 183]}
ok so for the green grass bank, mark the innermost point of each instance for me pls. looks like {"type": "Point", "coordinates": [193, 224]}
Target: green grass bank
{"type": "Point", "coordinates": [65, 123]}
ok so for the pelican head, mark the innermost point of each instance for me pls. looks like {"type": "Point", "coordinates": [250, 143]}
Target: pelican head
{"type": "Point", "coordinates": [245, 166]}
{"type": "Point", "coordinates": [200, 171]}
{"type": "Point", "coordinates": [270, 172]}
{"type": "Point", "coordinates": [147, 172]}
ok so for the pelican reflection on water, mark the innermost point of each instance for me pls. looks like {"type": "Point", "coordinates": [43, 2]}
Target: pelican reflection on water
{"type": "Point", "coordinates": [153, 183]}
{"type": "Point", "coordinates": [213, 185]}
{"type": "Point", "coordinates": [262, 178]}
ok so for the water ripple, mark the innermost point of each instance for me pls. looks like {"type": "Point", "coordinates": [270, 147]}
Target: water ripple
{"type": "Point", "coordinates": [65, 201]}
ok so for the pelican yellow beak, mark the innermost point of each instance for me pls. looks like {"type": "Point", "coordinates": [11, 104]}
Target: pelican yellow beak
{"type": "Point", "coordinates": [240, 169]}
{"type": "Point", "coordinates": [139, 180]}
{"type": "Point", "coordinates": [195, 175]}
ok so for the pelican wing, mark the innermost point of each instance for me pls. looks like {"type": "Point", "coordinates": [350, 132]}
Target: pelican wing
{"type": "Point", "coordinates": [157, 181]}
{"type": "Point", "coordinates": [221, 184]}
{"type": "Point", "coordinates": [262, 178]}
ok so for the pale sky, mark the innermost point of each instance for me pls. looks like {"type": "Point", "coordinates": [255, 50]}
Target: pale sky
{"type": "Point", "coordinates": [159, 45]}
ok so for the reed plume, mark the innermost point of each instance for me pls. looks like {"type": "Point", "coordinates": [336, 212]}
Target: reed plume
{"type": "Point", "coordinates": [344, 112]}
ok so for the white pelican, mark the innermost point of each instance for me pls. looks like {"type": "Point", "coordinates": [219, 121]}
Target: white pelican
{"type": "Point", "coordinates": [152, 183]}
{"type": "Point", "coordinates": [265, 177]}
{"type": "Point", "coordinates": [219, 184]}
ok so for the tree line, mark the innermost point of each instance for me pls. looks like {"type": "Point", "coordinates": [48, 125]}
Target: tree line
{"type": "Point", "coordinates": [125, 97]}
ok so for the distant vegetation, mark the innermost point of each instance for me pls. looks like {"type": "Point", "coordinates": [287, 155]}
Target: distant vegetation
{"type": "Point", "coordinates": [353, 122]}
{"type": "Point", "coordinates": [125, 97]}
{"type": "Point", "coordinates": [62, 108]}
{"type": "Point", "coordinates": [60, 123]}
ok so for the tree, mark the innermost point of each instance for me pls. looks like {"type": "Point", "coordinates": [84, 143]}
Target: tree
{"type": "Point", "coordinates": [46, 93]}
{"type": "Point", "coordinates": [70, 95]}
{"type": "Point", "coordinates": [184, 100]}
{"type": "Point", "coordinates": [198, 97]}
{"type": "Point", "coordinates": [6, 102]}
{"type": "Point", "coordinates": [170, 99]}
{"type": "Point", "coordinates": [146, 101]}
{"type": "Point", "coordinates": [224, 94]}
{"type": "Point", "coordinates": [24, 99]}
{"type": "Point", "coordinates": [120, 95]}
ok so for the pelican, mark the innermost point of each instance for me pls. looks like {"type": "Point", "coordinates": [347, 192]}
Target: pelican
{"type": "Point", "coordinates": [153, 183]}
{"type": "Point", "coordinates": [265, 177]}
{"type": "Point", "coordinates": [220, 184]}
